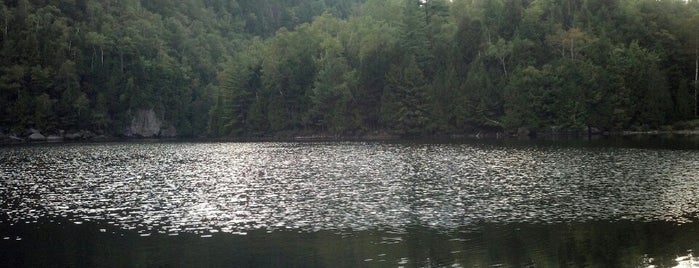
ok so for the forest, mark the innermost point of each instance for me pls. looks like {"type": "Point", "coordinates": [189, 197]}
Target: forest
{"type": "Point", "coordinates": [409, 68]}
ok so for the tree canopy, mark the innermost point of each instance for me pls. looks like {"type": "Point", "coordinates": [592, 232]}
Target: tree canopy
{"type": "Point", "coordinates": [407, 67]}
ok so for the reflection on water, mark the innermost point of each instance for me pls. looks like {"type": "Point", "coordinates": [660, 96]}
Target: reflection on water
{"type": "Point", "coordinates": [437, 204]}
{"type": "Point", "coordinates": [687, 261]}
{"type": "Point", "coordinates": [595, 244]}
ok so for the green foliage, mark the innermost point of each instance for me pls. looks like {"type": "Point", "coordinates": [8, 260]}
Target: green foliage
{"type": "Point", "coordinates": [642, 97]}
{"type": "Point", "coordinates": [97, 62]}
{"type": "Point", "coordinates": [404, 106]}
{"type": "Point", "coordinates": [422, 67]}
{"type": "Point", "coordinates": [332, 95]}
{"type": "Point", "coordinates": [256, 68]}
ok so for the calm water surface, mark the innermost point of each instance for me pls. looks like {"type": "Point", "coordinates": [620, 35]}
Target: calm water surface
{"type": "Point", "coordinates": [500, 204]}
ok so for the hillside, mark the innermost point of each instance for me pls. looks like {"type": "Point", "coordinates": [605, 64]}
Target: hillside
{"type": "Point", "coordinates": [404, 67]}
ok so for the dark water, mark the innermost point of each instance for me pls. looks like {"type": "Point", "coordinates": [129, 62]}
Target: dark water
{"type": "Point", "coordinates": [500, 204]}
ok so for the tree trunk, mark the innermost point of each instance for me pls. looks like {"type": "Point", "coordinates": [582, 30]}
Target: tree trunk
{"type": "Point", "coordinates": [504, 66]}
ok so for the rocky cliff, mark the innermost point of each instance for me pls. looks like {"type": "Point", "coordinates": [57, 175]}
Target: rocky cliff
{"type": "Point", "coordinates": [145, 124]}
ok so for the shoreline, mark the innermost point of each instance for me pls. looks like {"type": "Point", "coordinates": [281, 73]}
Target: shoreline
{"type": "Point", "coordinates": [374, 137]}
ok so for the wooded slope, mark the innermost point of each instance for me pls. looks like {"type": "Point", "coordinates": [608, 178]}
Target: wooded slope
{"type": "Point", "coordinates": [405, 67]}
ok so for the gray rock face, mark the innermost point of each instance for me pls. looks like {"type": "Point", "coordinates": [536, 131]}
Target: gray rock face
{"type": "Point", "coordinates": [145, 124]}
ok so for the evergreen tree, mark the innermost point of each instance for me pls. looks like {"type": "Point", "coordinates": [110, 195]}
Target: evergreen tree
{"type": "Point", "coordinates": [404, 107]}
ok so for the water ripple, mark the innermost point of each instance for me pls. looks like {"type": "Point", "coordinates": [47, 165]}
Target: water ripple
{"type": "Point", "coordinates": [206, 188]}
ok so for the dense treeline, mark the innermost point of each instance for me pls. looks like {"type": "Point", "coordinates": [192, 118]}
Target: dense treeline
{"type": "Point", "coordinates": [91, 65]}
{"type": "Point", "coordinates": [414, 67]}
{"type": "Point", "coordinates": [405, 67]}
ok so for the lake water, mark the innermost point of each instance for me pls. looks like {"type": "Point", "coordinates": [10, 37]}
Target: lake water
{"type": "Point", "coordinates": [606, 203]}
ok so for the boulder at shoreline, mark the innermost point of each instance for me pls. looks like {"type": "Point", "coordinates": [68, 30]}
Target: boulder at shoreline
{"type": "Point", "coordinates": [36, 136]}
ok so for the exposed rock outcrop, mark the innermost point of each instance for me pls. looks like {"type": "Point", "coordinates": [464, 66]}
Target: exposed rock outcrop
{"type": "Point", "coordinates": [145, 124]}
